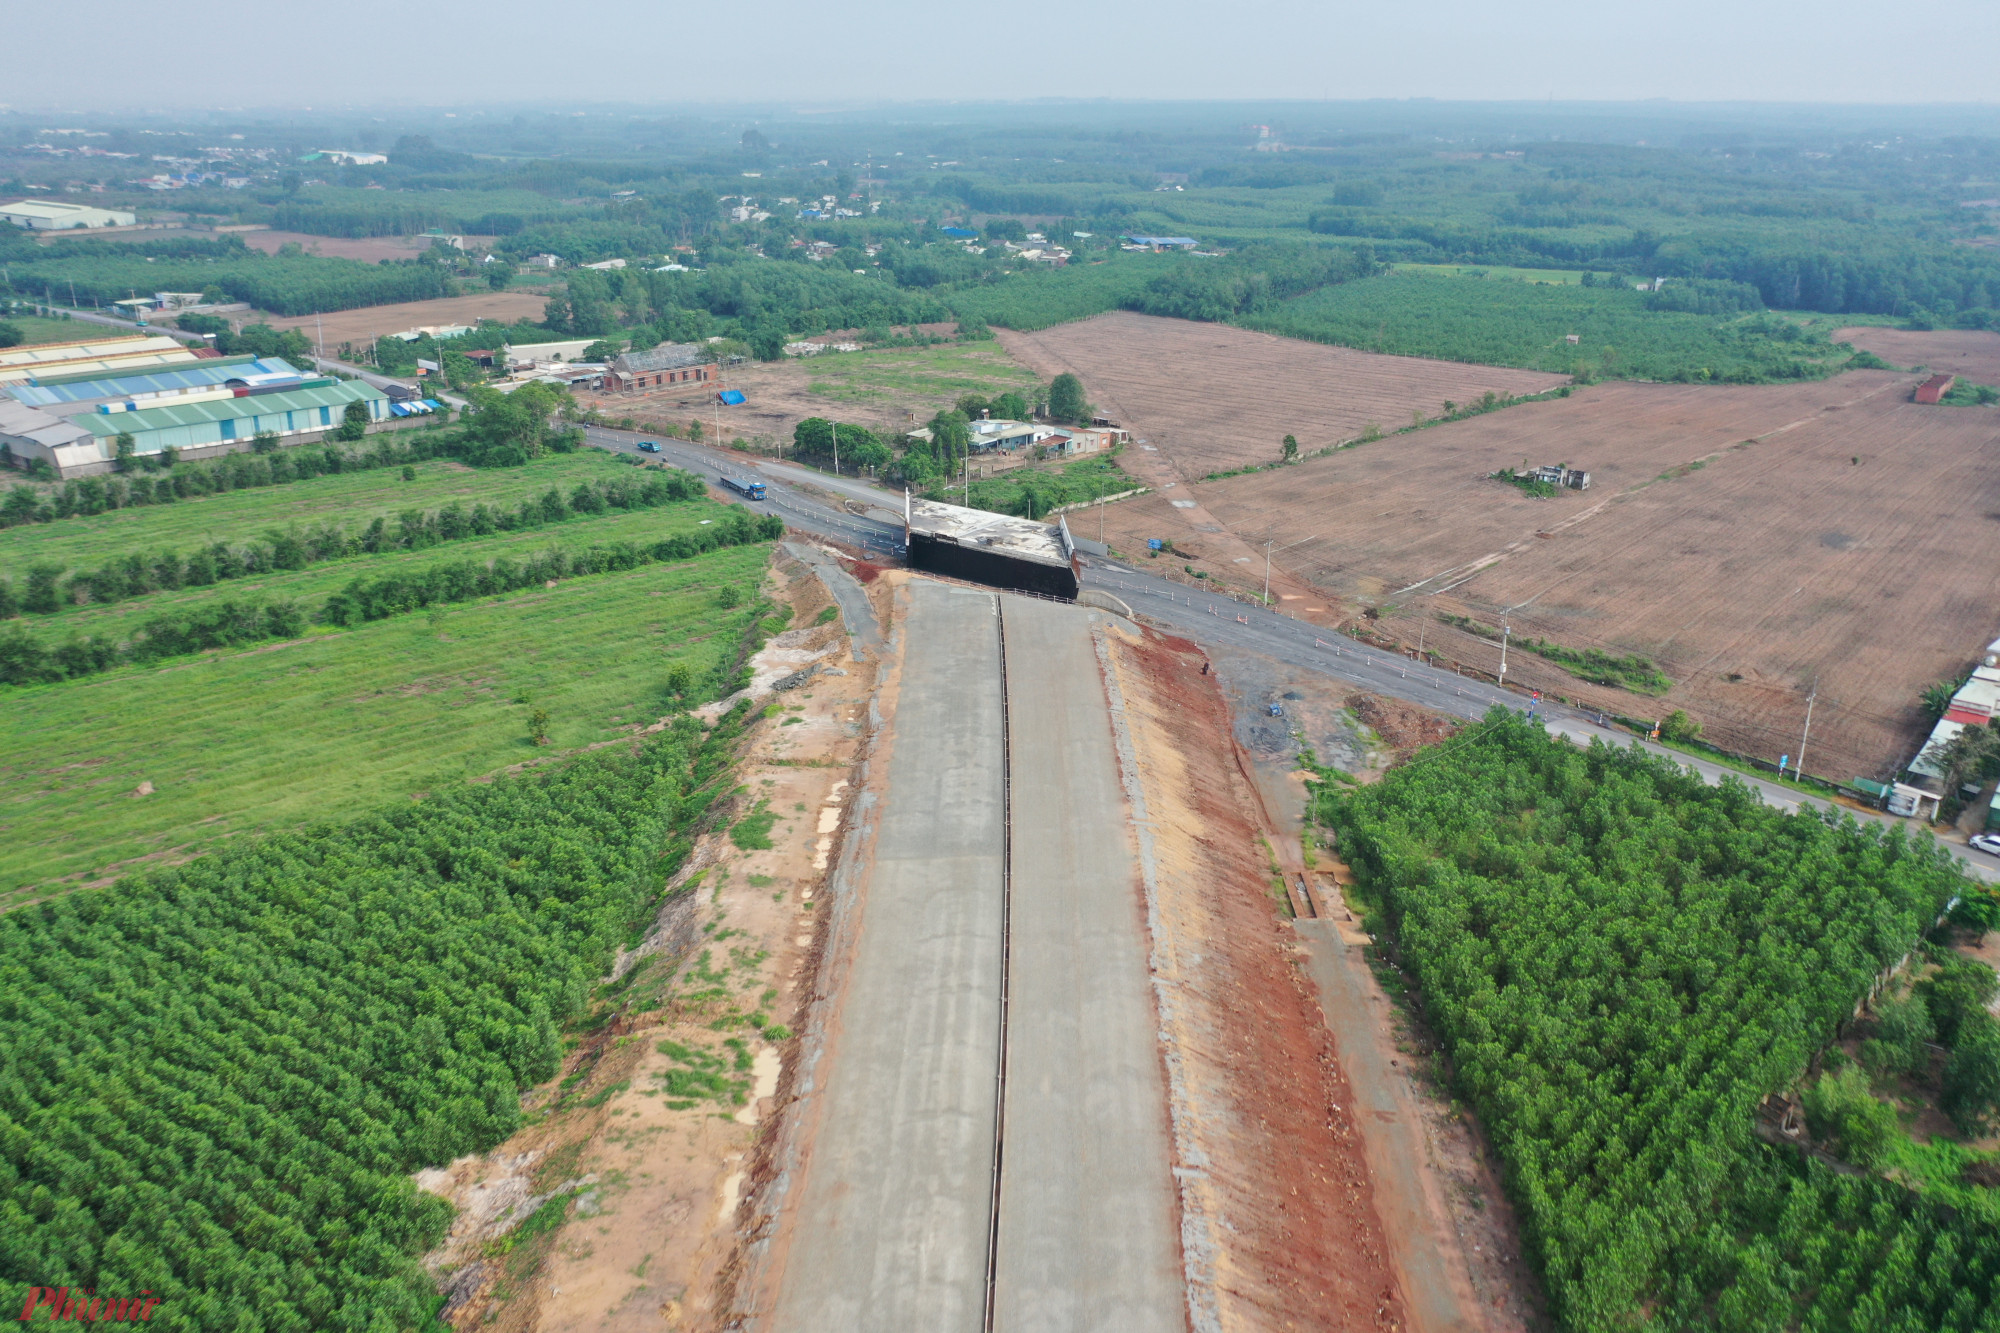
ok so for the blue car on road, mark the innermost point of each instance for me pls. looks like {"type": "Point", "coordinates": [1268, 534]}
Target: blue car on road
{"type": "Point", "coordinates": [648, 447]}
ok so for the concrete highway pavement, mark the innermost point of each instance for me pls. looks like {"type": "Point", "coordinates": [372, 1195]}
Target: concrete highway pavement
{"type": "Point", "coordinates": [1089, 1227]}
{"type": "Point", "coordinates": [893, 1221]}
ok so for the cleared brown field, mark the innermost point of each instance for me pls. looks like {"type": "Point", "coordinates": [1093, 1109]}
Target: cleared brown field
{"type": "Point", "coordinates": [1971, 353]}
{"type": "Point", "coordinates": [366, 248]}
{"type": "Point", "coordinates": [1213, 397]}
{"type": "Point", "coordinates": [1778, 563]}
{"type": "Point", "coordinates": [358, 326]}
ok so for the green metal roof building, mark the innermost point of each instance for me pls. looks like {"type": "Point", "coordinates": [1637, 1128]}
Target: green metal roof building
{"type": "Point", "coordinates": [230, 420]}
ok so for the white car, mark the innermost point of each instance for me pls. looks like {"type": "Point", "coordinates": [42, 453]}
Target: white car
{"type": "Point", "coordinates": [1987, 842]}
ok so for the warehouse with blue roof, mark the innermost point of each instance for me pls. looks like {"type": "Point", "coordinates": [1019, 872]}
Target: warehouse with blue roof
{"type": "Point", "coordinates": [197, 411]}
{"type": "Point", "coordinates": [69, 394]}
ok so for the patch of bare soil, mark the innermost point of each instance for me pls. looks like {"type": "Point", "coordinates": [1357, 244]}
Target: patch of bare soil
{"type": "Point", "coordinates": [361, 325]}
{"type": "Point", "coordinates": [1752, 542]}
{"type": "Point", "coordinates": [1211, 397]}
{"type": "Point", "coordinates": [1280, 1224]}
{"type": "Point", "coordinates": [620, 1208]}
{"type": "Point", "coordinates": [1972, 354]}
{"type": "Point", "coordinates": [369, 249]}
{"type": "Point", "coordinates": [1403, 727]}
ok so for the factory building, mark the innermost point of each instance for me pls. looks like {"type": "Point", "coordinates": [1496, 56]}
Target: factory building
{"type": "Point", "coordinates": [201, 424]}
{"type": "Point", "coordinates": [66, 396]}
{"type": "Point", "coordinates": [40, 362]}
{"type": "Point", "coordinates": [48, 215]}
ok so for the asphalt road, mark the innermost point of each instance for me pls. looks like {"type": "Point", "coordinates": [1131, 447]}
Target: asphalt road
{"type": "Point", "coordinates": [1089, 1232]}
{"type": "Point", "coordinates": [892, 1226]}
{"type": "Point", "coordinates": [1213, 621]}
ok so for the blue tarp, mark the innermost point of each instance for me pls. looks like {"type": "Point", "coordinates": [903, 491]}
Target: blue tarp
{"type": "Point", "coordinates": [958, 233]}
{"type": "Point", "coordinates": [733, 397]}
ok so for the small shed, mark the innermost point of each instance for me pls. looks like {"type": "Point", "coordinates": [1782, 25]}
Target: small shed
{"type": "Point", "coordinates": [1935, 388]}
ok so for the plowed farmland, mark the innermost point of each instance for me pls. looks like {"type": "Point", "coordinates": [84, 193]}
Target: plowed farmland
{"type": "Point", "coordinates": [1213, 397]}
{"type": "Point", "coordinates": [1753, 542]}
{"type": "Point", "coordinates": [1972, 354]}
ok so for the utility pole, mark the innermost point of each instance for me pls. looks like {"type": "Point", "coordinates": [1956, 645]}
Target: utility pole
{"type": "Point", "coordinates": [1506, 632]}
{"type": "Point", "coordinates": [1801, 769]}
{"type": "Point", "coordinates": [836, 447]}
{"type": "Point", "coordinates": [1286, 547]}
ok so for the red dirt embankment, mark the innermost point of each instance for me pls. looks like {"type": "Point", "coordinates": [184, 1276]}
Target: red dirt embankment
{"type": "Point", "coordinates": [1281, 1228]}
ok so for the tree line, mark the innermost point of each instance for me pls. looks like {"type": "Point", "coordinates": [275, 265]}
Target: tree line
{"type": "Point", "coordinates": [215, 1080]}
{"type": "Point", "coordinates": [46, 590]}
{"type": "Point", "coordinates": [26, 660]}
{"type": "Point", "coordinates": [1622, 963]}
{"type": "Point", "coordinates": [284, 284]}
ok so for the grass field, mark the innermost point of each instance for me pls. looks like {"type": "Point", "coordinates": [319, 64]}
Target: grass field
{"type": "Point", "coordinates": [35, 329]}
{"type": "Point", "coordinates": [948, 370]}
{"type": "Point", "coordinates": [321, 728]}
{"type": "Point", "coordinates": [1497, 272]}
{"type": "Point", "coordinates": [311, 586]}
{"type": "Point", "coordinates": [353, 498]}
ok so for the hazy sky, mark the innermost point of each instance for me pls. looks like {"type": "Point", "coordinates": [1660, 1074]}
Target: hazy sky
{"type": "Point", "coordinates": [279, 53]}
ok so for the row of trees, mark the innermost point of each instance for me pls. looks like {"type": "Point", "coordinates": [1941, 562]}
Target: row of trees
{"type": "Point", "coordinates": [1623, 962]}
{"type": "Point", "coordinates": [216, 1079]}
{"type": "Point", "coordinates": [284, 284]}
{"type": "Point", "coordinates": [202, 626]}
{"type": "Point", "coordinates": [46, 590]}
{"type": "Point", "coordinates": [462, 580]}
{"type": "Point", "coordinates": [172, 481]}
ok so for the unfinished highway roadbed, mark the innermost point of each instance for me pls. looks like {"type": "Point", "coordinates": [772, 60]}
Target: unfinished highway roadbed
{"type": "Point", "coordinates": [1063, 1069]}
{"type": "Point", "coordinates": [992, 1145]}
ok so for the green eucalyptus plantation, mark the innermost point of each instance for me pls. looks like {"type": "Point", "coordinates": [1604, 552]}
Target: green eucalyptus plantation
{"type": "Point", "coordinates": [215, 1080]}
{"type": "Point", "coordinates": [1622, 963]}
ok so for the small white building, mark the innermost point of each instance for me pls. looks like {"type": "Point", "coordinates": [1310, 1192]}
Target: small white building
{"type": "Point", "coordinates": [49, 215]}
{"type": "Point", "coordinates": [545, 354]}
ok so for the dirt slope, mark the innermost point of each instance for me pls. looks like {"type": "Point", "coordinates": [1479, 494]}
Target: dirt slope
{"type": "Point", "coordinates": [1280, 1227]}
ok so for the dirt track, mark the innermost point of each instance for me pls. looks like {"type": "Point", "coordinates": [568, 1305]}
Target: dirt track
{"type": "Point", "coordinates": [1771, 566]}
{"type": "Point", "coordinates": [1212, 397]}
{"type": "Point", "coordinates": [1973, 354]}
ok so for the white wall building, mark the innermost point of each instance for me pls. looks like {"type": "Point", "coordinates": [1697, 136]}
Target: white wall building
{"type": "Point", "coordinates": [40, 215]}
